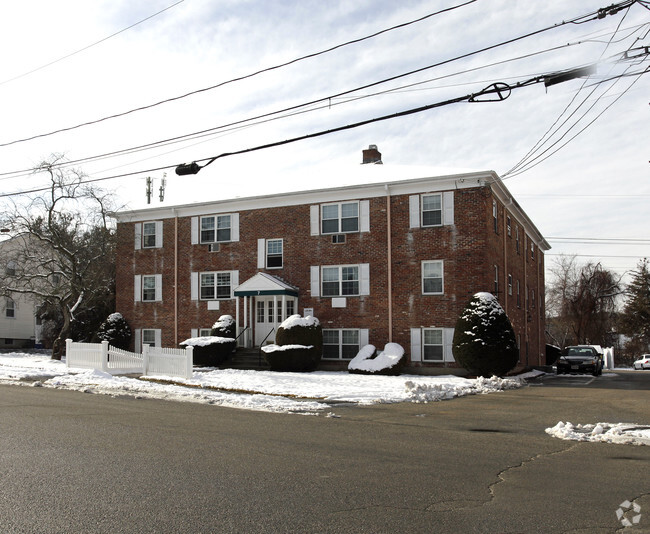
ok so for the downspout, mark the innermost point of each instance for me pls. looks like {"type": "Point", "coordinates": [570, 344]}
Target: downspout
{"type": "Point", "coordinates": [175, 276]}
{"type": "Point", "coordinates": [389, 270]}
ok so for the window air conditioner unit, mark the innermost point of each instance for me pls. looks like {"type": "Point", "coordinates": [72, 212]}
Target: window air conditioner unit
{"type": "Point", "coordinates": [213, 247]}
{"type": "Point", "coordinates": [338, 238]}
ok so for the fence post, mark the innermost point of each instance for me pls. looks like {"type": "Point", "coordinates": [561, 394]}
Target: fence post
{"type": "Point", "coordinates": [145, 359]}
{"type": "Point", "coordinates": [189, 361]}
{"type": "Point", "coordinates": [104, 356]}
{"type": "Point", "coordinates": [68, 351]}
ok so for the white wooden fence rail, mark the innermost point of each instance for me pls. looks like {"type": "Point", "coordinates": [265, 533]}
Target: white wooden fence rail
{"type": "Point", "coordinates": [152, 361]}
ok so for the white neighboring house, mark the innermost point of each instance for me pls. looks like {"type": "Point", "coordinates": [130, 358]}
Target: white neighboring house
{"type": "Point", "coordinates": [18, 323]}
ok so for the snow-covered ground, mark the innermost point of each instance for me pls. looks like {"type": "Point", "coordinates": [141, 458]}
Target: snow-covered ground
{"type": "Point", "coordinates": [302, 393]}
{"type": "Point", "coordinates": [307, 393]}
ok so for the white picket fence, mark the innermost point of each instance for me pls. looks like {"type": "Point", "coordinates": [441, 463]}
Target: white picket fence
{"type": "Point", "coordinates": [152, 360]}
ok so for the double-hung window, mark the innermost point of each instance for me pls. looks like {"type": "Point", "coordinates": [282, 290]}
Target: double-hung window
{"type": "Point", "coordinates": [274, 253]}
{"type": "Point", "coordinates": [340, 218]}
{"type": "Point", "coordinates": [10, 309]}
{"type": "Point", "coordinates": [216, 229]}
{"type": "Point", "coordinates": [215, 285]}
{"type": "Point", "coordinates": [148, 288]}
{"type": "Point", "coordinates": [432, 210]}
{"type": "Point", "coordinates": [149, 235]}
{"type": "Point", "coordinates": [341, 280]}
{"type": "Point", "coordinates": [340, 344]}
{"type": "Point", "coordinates": [432, 277]}
{"type": "Point", "coordinates": [433, 345]}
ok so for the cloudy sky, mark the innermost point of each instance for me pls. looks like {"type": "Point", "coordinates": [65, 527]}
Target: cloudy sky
{"type": "Point", "coordinates": [585, 184]}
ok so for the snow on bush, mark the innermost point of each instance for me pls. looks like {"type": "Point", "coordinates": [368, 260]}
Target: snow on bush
{"type": "Point", "coordinates": [297, 320]}
{"type": "Point", "coordinates": [205, 341]}
{"type": "Point", "coordinates": [383, 362]}
{"type": "Point", "coordinates": [484, 341]}
{"type": "Point", "coordinates": [224, 327]}
{"type": "Point", "coordinates": [277, 348]}
{"type": "Point", "coordinates": [304, 336]}
{"type": "Point", "coordinates": [115, 330]}
{"type": "Point", "coordinates": [224, 321]}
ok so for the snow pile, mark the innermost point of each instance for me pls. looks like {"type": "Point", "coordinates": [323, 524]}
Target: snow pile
{"type": "Point", "coordinates": [619, 433]}
{"type": "Point", "coordinates": [423, 393]}
{"type": "Point", "coordinates": [225, 321]}
{"type": "Point", "coordinates": [386, 359]}
{"type": "Point", "coordinates": [297, 320]}
{"type": "Point", "coordinates": [204, 341]}
{"type": "Point", "coordinates": [267, 349]}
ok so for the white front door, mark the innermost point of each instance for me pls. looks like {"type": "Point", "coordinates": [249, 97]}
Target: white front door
{"type": "Point", "coordinates": [265, 320]}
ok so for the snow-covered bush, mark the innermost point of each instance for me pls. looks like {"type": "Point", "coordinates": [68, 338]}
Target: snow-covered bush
{"type": "Point", "coordinates": [210, 351]}
{"type": "Point", "coordinates": [484, 341]}
{"type": "Point", "coordinates": [298, 345]}
{"type": "Point", "coordinates": [116, 331]}
{"type": "Point", "coordinates": [369, 361]}
{"type": "Point", "coordinates": [224, 327]}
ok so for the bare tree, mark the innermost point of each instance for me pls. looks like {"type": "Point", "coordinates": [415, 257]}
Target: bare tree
{"type": "Point", "coordinates": [581, 302]}
{"type": "Point", "coordinates": [65, 253]}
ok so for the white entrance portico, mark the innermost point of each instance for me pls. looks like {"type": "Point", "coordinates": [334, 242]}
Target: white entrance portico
{"type": "Point", "coordinates": [267, 301]}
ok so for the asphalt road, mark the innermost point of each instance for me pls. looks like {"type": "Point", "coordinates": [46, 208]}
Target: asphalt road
{"type": "Point", "coordinates": [73, 462]}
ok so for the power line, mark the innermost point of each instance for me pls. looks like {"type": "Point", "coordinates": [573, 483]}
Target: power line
{"type": "Point", "coordinates": [240, 78]}
{"type": "Point", "coordinates": [88, 46]}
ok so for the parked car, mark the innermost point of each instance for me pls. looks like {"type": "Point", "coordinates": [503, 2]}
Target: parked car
{"type": "Point", "coordinates": [643, 362]}
{"type": "Point", "coordinates": [580, 359]}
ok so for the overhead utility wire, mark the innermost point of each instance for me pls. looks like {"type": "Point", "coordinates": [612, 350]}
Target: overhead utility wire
{"type": "Point", "coordinates": [240, 78]}
{"type": "Point", "coordinates": [501, 91]}
{"type": "Point", "coordinates": [88, 46]}
{"type": "Point", "coordinates": [601, 13]}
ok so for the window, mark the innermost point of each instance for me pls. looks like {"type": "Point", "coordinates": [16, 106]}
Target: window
{"type": "Point", "coordinates": [340, 218]}
{"type": "Point", "coordinates": [518, 295]}
{"type": "Point", "coordinates": [10, 270]}
{"type": "Point", "coordinates": [508, 226]}
{"type": "Point", "coordinates": [517, 238]}
{"type": "Point", "coordinates": [205, 332]}
{"type": "Point", "coordinates": [340, 344]}
{"type": "Point", "coordinates": [216, 229]}
{"type": "Point", "coordinates": [340, 281]}
{"type": "Point", "coordinates": [432, 210]}
{"type": "Point", "coordinates": [10, 309]}
{"type": "Point", "coordinates": [290, 308]}
{"type": "Point", "coordinates": [510, 285]}
{"type": "Point", "coordinates": [148, 288]}
{"type": "Point", "coordinates": [149, 337]}
{"type": "Point", "coordinates": [260, 311]}
{"type": "Point", "coordinates": [433, 348]}
{"type": "Point", "coordinates": [496, 281]}
{"type": "Point", "coordinates": [432, 277]}
{"type": "Point", "coordinates": [274, 253]}
{"type": "Point", "coordinates": [215, 286]}
{"type": "Point", "coordinates": [532, 251]}
{"type": "Point", "coordinates": [270, 310]}
{"type": "Point", "coordinates": [149, 235]}
{"type": "Point", "coordinates": [495, 216]}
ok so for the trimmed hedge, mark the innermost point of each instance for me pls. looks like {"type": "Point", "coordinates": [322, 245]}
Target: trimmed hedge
{"type": "Point", "coordinates": [116, 331]}
{"type": "Point", "coordinates": [484, 340]}
{"type": "Point", "coordinates": [224, 327]}
{"type": "Point", "coordinates": [303, 342]}
{"type": "Point", "coordinates": [210, 351]}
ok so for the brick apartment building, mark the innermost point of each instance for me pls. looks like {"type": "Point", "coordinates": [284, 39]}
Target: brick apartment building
{"type": "Point", "coordinates": [392, 260]}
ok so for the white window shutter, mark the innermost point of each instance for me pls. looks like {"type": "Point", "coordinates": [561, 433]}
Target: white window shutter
{"type": "Point", "coordinates": [448, 207]}
{"type": "Point", "coordinates": [234, 227]}
{"type": "Point", "coordinates": [364, 212]}
{"type": "Point", "coordinates": [137, 288]}
{"type": "Point", "coordinates": [261, 253]}
{"type": "Point", "coordinates": [194, 286]}
{"type": "Point", "coordinates": [315, 281]}
{"type": "Point", "coordinates": [195, 231]}
{"type": "Point", "coordinates": [158, 337]}
{"type": "Point", "coordinates": [159, 234]}
{"type": "Point", "coordinates": [194, 332]}
{"type": "Point", "coordinates": [448, 340]}
{"type": "Point", "coordinates": [138, 236]}
{"type": "Point", "coordinates": [158, 278]}
{"type": "Point", "coordinates": [234, 282]}
{"type": "Point", "coordinates": [363, 337]}
{"type": "Point", "coordinates": [137, 344]}
{"type": "Point", "coordinates": [416, 344]}
{"type": "Point", "coordinates": [314, 218]}
{"type": "Point", "coordinates": [364, 279]}
{"type": "Point", "coordinates": [414, 211]}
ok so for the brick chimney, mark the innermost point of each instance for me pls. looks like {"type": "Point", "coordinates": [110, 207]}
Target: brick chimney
{"type": "Point", "coordinates": [371, 155]}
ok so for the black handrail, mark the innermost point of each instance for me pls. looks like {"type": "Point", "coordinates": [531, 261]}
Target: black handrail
{"type": "Point", "coordinates": [259, 357]}
{"type": "Point", "coordinates": [239, 335]}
